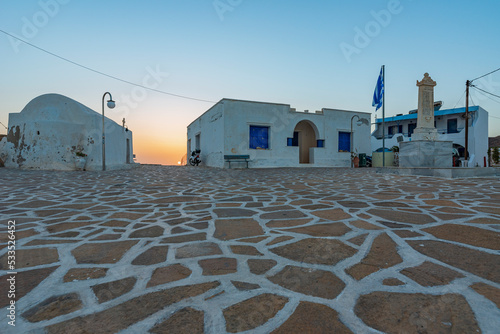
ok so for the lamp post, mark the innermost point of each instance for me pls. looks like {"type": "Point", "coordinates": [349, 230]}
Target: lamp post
{"type": "Point", "coordinates": [111, 105]}
{"type": "Point", "coordinates": [358, 123]}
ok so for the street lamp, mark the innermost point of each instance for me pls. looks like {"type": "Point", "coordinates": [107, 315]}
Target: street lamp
{"type": "Point", "coordinates": [358, 123]}
{"type": "Point", "coordinates": [111, 105]}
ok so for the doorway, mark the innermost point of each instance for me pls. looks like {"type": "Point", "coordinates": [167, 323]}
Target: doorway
{"type": "Point", "coordinates": [306, 139]}
{"type": "Point", "coordinates": [128, 152]}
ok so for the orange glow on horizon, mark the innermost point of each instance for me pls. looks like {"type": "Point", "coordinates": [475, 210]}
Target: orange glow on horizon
{"type": "Point", "coordinates": [154, 152]}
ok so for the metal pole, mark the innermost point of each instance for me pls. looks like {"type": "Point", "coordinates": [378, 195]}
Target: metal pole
{"type": "Point", "coordinates": [103, 135]}
{"type": "Point", "coordinates": [467, 84]}
{"type": "Point", "coordinates": [383, 117]}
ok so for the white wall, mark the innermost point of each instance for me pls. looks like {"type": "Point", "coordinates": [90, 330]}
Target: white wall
{"type": "Point", "coordinates": [51, 128]}
{"type": "Point", "coordinates": [478, 138]}
{"type": "Point", "coordinates": [232, 137]}
{"type": "Point", "coordinates": [210, 127]}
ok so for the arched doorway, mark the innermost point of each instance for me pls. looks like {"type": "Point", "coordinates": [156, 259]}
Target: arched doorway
{"type": "Point", "coordinates": [306, 135]}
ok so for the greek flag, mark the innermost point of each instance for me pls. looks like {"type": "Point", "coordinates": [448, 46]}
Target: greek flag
{"type": "Point", "coordinates": [378, 94]}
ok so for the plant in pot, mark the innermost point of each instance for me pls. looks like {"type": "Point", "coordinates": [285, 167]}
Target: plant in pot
{"type": "Point", "coordinates": [354, 159]}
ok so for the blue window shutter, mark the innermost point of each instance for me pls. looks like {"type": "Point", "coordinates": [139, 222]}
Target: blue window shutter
{"type": "Point", "coordinates": [259, 137]}
{"type": "Point", "coordinates": [320, 143]}
{"type": "Point", "coordinates": [344, 142]}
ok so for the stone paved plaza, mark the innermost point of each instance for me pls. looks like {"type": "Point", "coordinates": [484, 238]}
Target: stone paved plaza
{"type": "Point", "coordinates": [191, 250]}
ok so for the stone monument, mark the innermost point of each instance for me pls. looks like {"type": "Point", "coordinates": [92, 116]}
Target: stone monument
{"type": "Point", "coordinates": [424, 149]}
{"type": "Point", "coordinates": [425, 118]}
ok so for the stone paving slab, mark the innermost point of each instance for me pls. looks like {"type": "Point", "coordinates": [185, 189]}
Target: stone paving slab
{"type": "Point", "coordinates": [197, 250]}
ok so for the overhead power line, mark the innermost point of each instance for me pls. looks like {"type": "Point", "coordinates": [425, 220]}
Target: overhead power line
{"type": "Point", "coordinates": [498, 69]}
{"type": "Point", "coordinates": [489, 97]}
{"type": "Point", "coordinates": [104, 74]}
{"type": "Point", "coordinates": [485, 91]}
{"type": "Point", "coordinates": [460, 99]}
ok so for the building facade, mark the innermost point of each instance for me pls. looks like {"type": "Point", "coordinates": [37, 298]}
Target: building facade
{"type": "Point", "coordinates": [53, 131]}
{"type": "Point", "coordinates": [276, 135]}
{"type": "Point", "coordinates": [450, 124]}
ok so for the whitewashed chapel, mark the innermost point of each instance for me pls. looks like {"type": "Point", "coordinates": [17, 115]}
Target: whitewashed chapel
{"type": "Point", "coordinates": [57, 133]}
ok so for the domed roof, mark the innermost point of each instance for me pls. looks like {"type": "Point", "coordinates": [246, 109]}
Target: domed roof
{"type": "Point", "coordinates": [50, 107]}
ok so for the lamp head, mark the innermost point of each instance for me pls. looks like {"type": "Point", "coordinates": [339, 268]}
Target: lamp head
{"type": "Point", "coordinates": [111, 104]}
{"type": "Point", "coordinates": [362, 121]}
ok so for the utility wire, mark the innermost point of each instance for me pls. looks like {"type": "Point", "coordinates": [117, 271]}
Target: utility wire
{"type": "Point", "coordinates": [487, 96]}
{"type": "Point", "coordinates": [485, 91]}
{"type": "Point", "coordinates": [460, 99]}
{"type": "Point", "coordinates": [498, 69]}
{"type": "Point", "coordinates": [104, 74]}
{"type": "Point", "coordinates": [470, 97]}
{"type": "Point", "coordinates": [4, 126]}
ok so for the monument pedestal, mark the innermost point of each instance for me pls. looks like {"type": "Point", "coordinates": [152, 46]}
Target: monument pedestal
{"type": "Point", "coordinates": [426, 153]}
{"type": "Point", "coordinates": [425, 134]}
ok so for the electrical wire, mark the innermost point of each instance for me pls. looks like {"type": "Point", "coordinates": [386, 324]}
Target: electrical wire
{"type": "Point", "coordinates": [4, 126]}
{"type": "Point", "coordinates": [485, 91]}
{"type": "Point", "coordinates": [470, 97]}
{"type": "Point", "coordinates": [104, 74]}
{"type": "Point", "coordinates": [498, 69]}
{"type": "Point", "coordinates": [487, 96]}
{"type": "Point", "coordinates": [460, 99]}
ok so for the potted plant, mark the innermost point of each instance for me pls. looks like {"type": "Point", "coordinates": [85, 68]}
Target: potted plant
{"type": "Point", "coordinates": [355, 159]}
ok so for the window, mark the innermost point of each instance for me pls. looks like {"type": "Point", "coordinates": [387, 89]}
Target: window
{"type": "Point", "coordinates": [411, 127]}
{"type": "Point", "coordinates": [390, 131]}
{"type": "Point", "coordinates": [400, 129]}
{"type": "Point", "coordinates": [293, 141]}
{"type": "Point", "coordinates": [320, 143]}
{"type": "Point", "coordinates": [452, 125]}
{"type": "Point", "coordinates": [344, 141]}
{"type": "Point", "coordinates": [259, 137]}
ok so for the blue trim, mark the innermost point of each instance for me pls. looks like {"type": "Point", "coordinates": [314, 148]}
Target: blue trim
{"type": "Point", "coordinates": [436, 113]}
{"type": "Point", "coordinates": [344, 141]}
{"type": "Point", "coordinates": [259, 137]}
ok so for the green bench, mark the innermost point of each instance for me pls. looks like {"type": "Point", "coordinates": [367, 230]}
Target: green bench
{"type": "Point", "coordinates": [231, 158]}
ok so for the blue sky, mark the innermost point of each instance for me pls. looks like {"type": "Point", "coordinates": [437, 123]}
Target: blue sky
{"type": "Point", "coordinates": [310, 54]}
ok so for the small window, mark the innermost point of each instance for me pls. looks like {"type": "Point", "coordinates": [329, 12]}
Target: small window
{"type": "Point", "coordinates": [259, 137]}
{"type": "Point", "coordinates": [344, 141]}
{"type": "Point", "coordinates": [411, 127]}
{"type": "Point", "coordinates": [320, 143]}
{"type": "Point", "coordinates": [400, 129]}
{"type": "Point", "coordinates": [293, 141]}
{"type": "Point", "coordinates": [390, 131]}
{"type": "Point", "coordinates": [452, 125]}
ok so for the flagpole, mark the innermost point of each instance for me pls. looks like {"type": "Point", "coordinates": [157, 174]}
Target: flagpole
{"type": "Point", "coordinates": [383, 117]}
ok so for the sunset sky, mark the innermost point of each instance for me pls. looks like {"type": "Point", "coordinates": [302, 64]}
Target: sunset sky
{"type": "Point", "coordinates": [309, 54]}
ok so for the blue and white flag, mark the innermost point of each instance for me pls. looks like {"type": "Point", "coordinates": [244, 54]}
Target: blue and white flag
{"type": "Point", "coordinates": [378, 94]}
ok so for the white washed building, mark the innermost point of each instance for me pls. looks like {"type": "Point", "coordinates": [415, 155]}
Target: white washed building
{"type": "Point", "coordinates": [276, 135]}
{"type": "Point", "coordinates": [52, 128]}
{"type": "Point", "coordinates": [450, 124]}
